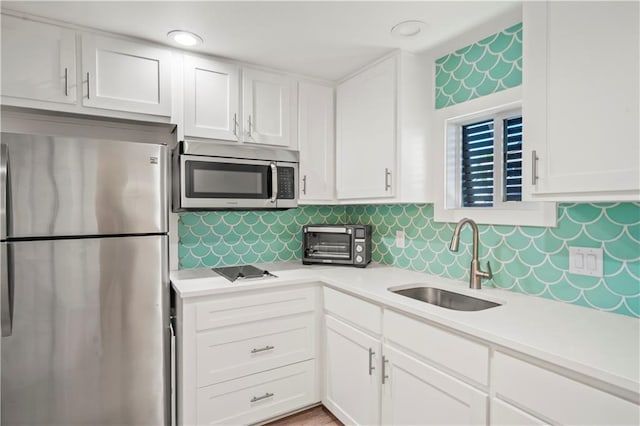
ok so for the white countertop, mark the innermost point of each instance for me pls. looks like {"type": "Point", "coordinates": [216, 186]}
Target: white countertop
{"type": "Point", "coordinates": [602, 345]}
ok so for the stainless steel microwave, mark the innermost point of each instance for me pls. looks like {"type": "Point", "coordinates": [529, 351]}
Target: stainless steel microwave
{"type": "Point", "coordinates": [336, 244]}
{"type": "Point", "coordinates": [212, 176]}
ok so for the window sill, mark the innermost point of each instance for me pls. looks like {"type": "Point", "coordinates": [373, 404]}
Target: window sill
{"type": "Point", "coordinates": [524, 214]}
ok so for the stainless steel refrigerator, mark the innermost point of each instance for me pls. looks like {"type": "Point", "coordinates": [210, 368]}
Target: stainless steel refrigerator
{"type": "Point", "coordinates": [84, 270]}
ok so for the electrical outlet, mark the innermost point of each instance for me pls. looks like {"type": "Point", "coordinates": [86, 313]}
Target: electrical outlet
{"type": "Point", "coordinates": [400, 239]}
{"type": "Point", "coordinates": [586, 261]}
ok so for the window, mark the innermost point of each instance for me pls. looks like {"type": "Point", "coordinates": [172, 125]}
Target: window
{"type": "Point", "coordinates": [485, 181]}
{"type": "Point", "coordinates": [480, 167]}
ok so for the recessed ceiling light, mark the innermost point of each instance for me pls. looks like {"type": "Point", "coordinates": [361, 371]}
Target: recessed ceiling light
{"type": "Point", "coordinates": [184, 38]}
{"type": "Point", "coordinates": [408, 29]}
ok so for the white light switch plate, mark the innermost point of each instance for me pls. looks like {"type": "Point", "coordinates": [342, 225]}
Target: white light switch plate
{"type": "Point", "coordinates": [586, 261]}
{"type": "Point", "coordinates": [400, 239]}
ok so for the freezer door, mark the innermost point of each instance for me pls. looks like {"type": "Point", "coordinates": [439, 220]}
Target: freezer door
{"type": "Point", "coordinates": [90, 337]}
{"type": "Point", "coordinates": [58, 186]}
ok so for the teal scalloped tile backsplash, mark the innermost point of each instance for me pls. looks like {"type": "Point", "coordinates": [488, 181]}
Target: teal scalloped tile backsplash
{"type": "Point", "coordinates": [241, 237]}
{"type": "Point", "coordinates": [529, 260]}
{"type": "Point", "coordinates": [487, 66]}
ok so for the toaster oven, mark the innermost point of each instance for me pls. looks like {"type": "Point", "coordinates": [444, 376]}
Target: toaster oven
{"type": "Point", "coordinates": [336, 244]}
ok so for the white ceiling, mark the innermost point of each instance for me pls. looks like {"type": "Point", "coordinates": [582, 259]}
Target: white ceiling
{"type": "Point", "coordinates": [326, 40]}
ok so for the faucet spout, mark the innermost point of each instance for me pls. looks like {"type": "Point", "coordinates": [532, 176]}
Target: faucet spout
{"type": "Point", "coordinates": [475, 273]}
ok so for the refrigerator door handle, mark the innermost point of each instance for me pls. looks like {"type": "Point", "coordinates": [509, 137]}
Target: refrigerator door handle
{"type": "Point", "coordinates": [7, 290]}
{"type": "Point", "coordinates": [5, 190]}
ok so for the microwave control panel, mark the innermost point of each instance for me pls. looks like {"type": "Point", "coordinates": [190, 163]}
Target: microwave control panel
{"type": "Point", "coordinates": [286, 183]}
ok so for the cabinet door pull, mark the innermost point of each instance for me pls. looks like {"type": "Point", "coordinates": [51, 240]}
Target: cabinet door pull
{"type": "Point", "coordinates": [387, 179]}
{"type": "Point", "coordinates": [384, 369]}
{"type": "Point", "coordinates": [534, 167]}
{"type": "Point", "coordinates": [371, 366]}
{"type": "Point", "coordinates": [66, 81]}
{"type": "Point", "coordinates": [249, 129]}
{"type": "Point", "coordinates": [304, 184]}
{"type": "Point", "coordinates": [88, 86]}
{"type": "Point", "coordinates": [259, 398]}
{"type": "Point", "coordinates": [235, 124]}
{"type": "Point", "coordinates": [266, 348]}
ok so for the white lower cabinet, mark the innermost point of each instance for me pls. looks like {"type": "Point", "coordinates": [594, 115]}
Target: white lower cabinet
{"type": "Point", "coordinates": [352, 379]}
{"type": "Point", "coordinates": [556, 398]}
{"type": "Point", "coordinates": [248, 357]}
{"type": "Point", "coordinates": [415, 393]}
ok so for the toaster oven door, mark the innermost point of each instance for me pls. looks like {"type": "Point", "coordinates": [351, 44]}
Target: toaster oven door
{"type": "Point", "coordinates": [328, 245]}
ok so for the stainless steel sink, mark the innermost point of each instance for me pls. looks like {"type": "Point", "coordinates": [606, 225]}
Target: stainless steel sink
{"type": "Point", "coordinates": [446, 299]}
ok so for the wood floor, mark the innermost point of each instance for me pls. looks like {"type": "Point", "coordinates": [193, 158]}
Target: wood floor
{"type": "Point", "coordinates": [317, 416]}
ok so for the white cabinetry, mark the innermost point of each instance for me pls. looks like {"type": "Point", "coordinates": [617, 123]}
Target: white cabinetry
{"type": "Point", "coordinates": [316, 142]}
{"type": "Point", "coordinates": [415, 393]}
{"type": "Point", "coordinates": [381, 151]}
{"type": "Point", "coordinates": [425, 370]}
{"type": "Point", "coordinates": [114, 77]}
{"type": "Point", "coordinates": [38, 61]}
{"type": "Point", "coordinates": [352, 358]}
{"type": "Point", "coordinates": [211, 99]}
{"type": "Point", "coordinates": [555, 398]}
{"type": "Point", "coordinates": [266, 104]}
{"type": "Point", "coordinates": [245, 358]}
{"type": "Point", "coordinates": [125, 76]}
{"type": "Point", "coordinates": [580, 100]}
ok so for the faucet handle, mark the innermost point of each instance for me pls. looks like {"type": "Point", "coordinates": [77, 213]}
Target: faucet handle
{"type": "Point", "coordinates": [489, 272]}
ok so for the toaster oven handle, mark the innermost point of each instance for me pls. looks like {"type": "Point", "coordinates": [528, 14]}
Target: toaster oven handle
{"type": "Point", "coordinates": [274, 182]}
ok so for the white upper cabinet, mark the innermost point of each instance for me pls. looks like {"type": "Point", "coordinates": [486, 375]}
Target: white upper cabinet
{"type": "Point", "coordinates": [125, 76]}
{"type": "Point", "coordinates": [211, 99]}
{"type": "Point", "coordinates": [580, 100]}
{"type": "Point", "coordinates": [266, 104]}
{"type": "Point", "coordinates": [38, 61]}
{"type": "Point", "coordinates": [381, 132]}
{"type": "Point", "coordinates": [366, 133]}
{"type": "Point", "coordinates": [316, 142]}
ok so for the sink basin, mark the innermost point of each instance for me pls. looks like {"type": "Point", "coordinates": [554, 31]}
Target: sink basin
{"type": "Point", "coordinates": [446, 299]}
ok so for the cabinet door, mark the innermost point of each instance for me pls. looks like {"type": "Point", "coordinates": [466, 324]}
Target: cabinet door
{"type": "Point", "coordinates": [266, 107]}
{"type": "Point", "coordinates": [366, 133]}
{"type": "Point", "coordinates": [581, 98]}
{"type": "Point", "coordinates": [352, 377]}
{"type": "Point", "coordinates": [316, 142]}
{"type": "Point", "coordinates": [417, 394]}
{"type": "Point", "coordinates": [38, 61]}
{"type": "Point", "coordinates": [211, 97]}
{"type": "Point", "coordinates": [125, 76]}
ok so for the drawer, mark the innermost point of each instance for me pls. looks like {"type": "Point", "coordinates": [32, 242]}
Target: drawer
{"type": "Point", "coordinates": [557, 398]}
{"type": "Point", "coordinates": [363, 314]}
{"type": "Point", "coordinates": [258, 397]}
{"type": "Point", "coordinates": [239, 350]}
{"type": "Point", "coordinates": [224, 311]}
{"type": "Point", "coordinates": [461, 356]}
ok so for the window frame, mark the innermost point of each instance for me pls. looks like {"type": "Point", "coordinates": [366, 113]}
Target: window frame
{"type": "Point", "coordinates": [448, 133]}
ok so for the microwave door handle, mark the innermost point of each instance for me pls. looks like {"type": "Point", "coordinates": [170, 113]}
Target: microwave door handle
{"type": "Point", "coordinates": [274, 182]}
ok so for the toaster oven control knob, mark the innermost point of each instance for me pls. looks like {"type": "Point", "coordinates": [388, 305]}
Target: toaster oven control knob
{"type": "Point", "coordinates": [359, 259]}
{"type": "Point", "coordinates": [359, 248]}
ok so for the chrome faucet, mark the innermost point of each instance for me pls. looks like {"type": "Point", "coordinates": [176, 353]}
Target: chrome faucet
{"type": "Point", "coordinates": [475, 273]}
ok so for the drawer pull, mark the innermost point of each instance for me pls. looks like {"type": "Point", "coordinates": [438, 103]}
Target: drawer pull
{"type": "Point", "coordinates": [385, 360]}
{"type": "Point", "coordinates": [266, 348]}
{"type": "Point", "coordinates": [260, 398]}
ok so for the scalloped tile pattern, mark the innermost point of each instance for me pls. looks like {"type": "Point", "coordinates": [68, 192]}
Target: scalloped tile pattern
{"type": "Point", "coordinates": [240, 237]}
{"type": "Point", "coordinates": [488, 66]}
{"type": "Point", "coordinates": [529, 260]}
